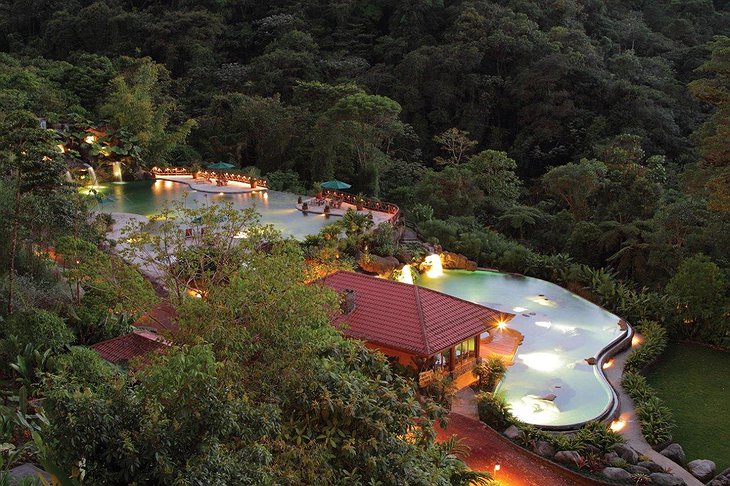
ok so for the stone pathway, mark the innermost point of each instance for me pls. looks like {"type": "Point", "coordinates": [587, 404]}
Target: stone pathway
{"type": "Point", "coordinates": [632, 430]}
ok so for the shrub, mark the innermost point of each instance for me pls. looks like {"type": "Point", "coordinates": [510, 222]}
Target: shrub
{"type": "Point", "coordinates": [656, 419]}
{"type": "Point", "coordinates": [655, 341]}
{"type": "Point", "coordinates": [489, 371]}
{"type": "Point", "coordinates": [82, 367]}
{"type": "Point", "coordinates": [494, 410]}
{"type": "Point", "coordinates": [285, 180]}
{"type": "Point", "coordinates": [441, 390]}
{"type": "Point", "coordinates": [43, 329]}
{"type": "Point", "coordinates": [596, 434]}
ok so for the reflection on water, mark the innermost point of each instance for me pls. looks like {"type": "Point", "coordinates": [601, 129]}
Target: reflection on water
{"type": "Point", "coordinates": [150, 197]}
{"type": "Point", "coordinates": [561, 330]}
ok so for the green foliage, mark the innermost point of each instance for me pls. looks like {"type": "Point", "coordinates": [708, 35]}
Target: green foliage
{"type": "Point", "coordinates": [489, 372]}
{"type": "Point", "coordinates": [41, 328]}
{"type": "Point", "coordinates": [654, 343]}
{"type": "Point", "coordinates": [656, 418]}
{"type": "Point", "coordinates": [494, 410]}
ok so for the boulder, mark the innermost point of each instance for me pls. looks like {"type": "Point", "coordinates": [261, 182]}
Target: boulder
{"type": "Point", "coordinates": [378, 264]}
{"type": "Point", "coordinates": [626, 453]}
{"type": "Point", "coordinates": [591, 361]}
{"type": "Point", "coordinates": [610, 456]}
{"type": "Point", "coordinates": [638, 470]}
{"type": "Point", "coordinates": [616, 473]}
{"type": "Point", "coordinates": [722, 479]}
{"type": "Point", "coordinates": [511, 432]}
{"type": "Point", "coordinates": [568, 457]}
{"type": "Point", "coordinates": [651, 466]}
{"type": "Point", "coordinates": [664, 479]}
{"type": "Point", "coordinates": [675, 453]}
{"type": "Point", "coordinates": [544, 449]}
{"type": "Point", "coordinates": [702, 469]}
{"type": "Point", "coordinates": [455, 261]}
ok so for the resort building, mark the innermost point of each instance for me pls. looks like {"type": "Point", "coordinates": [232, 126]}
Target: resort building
{"type": "Point", "coordinates": [121, 349]}
{"type": "Point", "coordinates": [417, 327]}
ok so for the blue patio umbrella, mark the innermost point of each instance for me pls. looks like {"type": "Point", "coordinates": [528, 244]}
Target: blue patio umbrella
{"type": "Point", "coordinates": [336, 185]}
{"type": "Point", "coordinates": [221, 165]}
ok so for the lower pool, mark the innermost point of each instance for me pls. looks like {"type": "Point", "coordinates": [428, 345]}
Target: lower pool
{"type": "Point", "coordinates": [150, 197]}
{"type": "Point", "coordinates": [560, 331]}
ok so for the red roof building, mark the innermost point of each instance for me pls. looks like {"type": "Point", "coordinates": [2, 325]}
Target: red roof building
{"type": "Point", "coordinates": [417, 326]}
{"type": "Point", "coordinates": [121, 349]}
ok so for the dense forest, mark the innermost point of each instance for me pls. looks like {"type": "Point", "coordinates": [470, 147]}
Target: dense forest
{"type": "Point", "coordinates": [580, 141]}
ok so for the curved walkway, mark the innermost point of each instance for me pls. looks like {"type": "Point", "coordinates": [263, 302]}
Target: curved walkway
{"type": "Point", "coordinates": [518, 467]}
{"type": "Point", "coordinates": [632, 430]}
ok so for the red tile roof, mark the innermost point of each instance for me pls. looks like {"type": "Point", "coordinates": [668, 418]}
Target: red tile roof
{"type": "Point", "coordinates": [123, 348]}
{"type": "Point", "coordinates": [408, 317]}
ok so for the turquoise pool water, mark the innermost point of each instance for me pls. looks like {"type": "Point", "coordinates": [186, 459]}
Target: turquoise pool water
{"type": "Point", "coordinates": [560, 328]}
{"type": "Point", "coordinates": [150, 197]}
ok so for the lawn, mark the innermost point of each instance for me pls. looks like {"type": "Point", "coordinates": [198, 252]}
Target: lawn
{"type": "Point", "coordinates": [693, 381]}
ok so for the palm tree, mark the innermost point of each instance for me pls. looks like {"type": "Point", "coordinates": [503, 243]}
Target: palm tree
{"type": "Point", "coordinates": [518, 217]}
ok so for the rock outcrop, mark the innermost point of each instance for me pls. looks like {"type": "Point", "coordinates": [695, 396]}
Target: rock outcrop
{"type": "Point", "coordinates": [568, 457]}
{"type": "Point", "coordinates": [664, 479]}
{"type": "Point", "coordinates": [455, 261]}
{"type": "Point", "coordinates": [378, 264]}
{"type": "Point", "coordinates": [702, 469]}
{"type": "Point", "coordinates": [511, 432]}
{"type": "Point", "coordinates": [722, 479]}
{"type": "Point", "coordinates": [616, 473]}
{"type": "Point", "coordinates": [544, 449]}
{"type": "Point", "coordinates": [627, 453]}
{"type": "Point", "coordinates": [675, 453]}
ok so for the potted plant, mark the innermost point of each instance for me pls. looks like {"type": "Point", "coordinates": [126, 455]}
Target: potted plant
{"type": "Point", "coordinates": [360, 202]}
{"type": "Point", "coordinates": [195, 168]}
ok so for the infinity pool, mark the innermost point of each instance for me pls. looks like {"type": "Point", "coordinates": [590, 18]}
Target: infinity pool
{"type": "Point", "coordinates": [560, 328]}
{"type": "Point", "coordinates": [150, 197]}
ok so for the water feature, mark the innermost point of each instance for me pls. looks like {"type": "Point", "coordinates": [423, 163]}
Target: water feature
{"type": "Point", "coordinates": [150, 197]}
{"type": "Point", "coordinates": [435, 268]}
{"type": "Point", "coordinates": [406, 275]}
{"type": "Point", "coordinates": [561, 330]}
{"type": "Point", "coordinates": [92, 175]}
{"type": "Point", "coordinates": [117, 172]}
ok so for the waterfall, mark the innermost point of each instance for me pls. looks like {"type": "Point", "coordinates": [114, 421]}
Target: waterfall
{"type": "Point", "coordinates": [406, 276]}
{"type": "Point", "coordinates": [435, 268]}
{"type": "Point", "coordinates": [117, 171]}
{"type": "Point", "coordinates": [92, 175]}
{"type": "Point", "coordinates": [69, 177]}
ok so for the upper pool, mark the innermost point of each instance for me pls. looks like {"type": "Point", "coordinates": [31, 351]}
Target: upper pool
{"type": "Point", "coordinates": [560, 331]}
{"type": "Point", "coordinates": [150, 197]}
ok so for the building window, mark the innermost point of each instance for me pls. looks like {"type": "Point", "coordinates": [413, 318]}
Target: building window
{"type": "Point", "coordinates": [464, 351]}
{"type": "Point", "coordinates": [441, 360]}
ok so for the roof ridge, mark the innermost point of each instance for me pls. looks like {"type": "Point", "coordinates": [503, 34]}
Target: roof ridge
{"type": "Point", "coordinates": [421, 318]}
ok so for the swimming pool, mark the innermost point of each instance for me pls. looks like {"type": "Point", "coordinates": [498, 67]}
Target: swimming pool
{"type": "Point", "coordinates": [560, 331]}
{"type": "Point", "coordinates": [150, 197]}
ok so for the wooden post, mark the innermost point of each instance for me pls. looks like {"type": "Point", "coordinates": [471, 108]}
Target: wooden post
{"type": "Point", "coordinates": [452, 358]}
{"type": "Point", "coordinates": [477, 345]}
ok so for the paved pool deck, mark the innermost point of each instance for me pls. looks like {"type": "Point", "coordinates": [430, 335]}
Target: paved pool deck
{"type": "Point", "coordinates": [378, 216]}
{"type": "Point", "coordinates": [233, 187]}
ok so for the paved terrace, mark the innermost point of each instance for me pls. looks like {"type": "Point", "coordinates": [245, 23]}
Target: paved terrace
{"type": "Point", "coordinates": [378, 216]}
{"type": "Point", "coordinates": [202, 185]}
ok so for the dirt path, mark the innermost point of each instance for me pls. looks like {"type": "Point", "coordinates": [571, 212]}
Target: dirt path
{"type": "Point", "coordinates": [518, 467]}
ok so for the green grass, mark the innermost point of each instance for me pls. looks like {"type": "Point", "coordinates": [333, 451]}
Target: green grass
{"type": "Point", "coordinates": [693, 382]}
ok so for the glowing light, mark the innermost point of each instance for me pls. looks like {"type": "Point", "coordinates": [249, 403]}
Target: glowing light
{"type": "Point", "coordinates": [195, 293]}
{"type": "Point", "coordinates": [221, 193]}
{"type": "Point", "coordinates": [545, 324]}
{"type": "Point", "coordinates": [266, 195]}
{"type": "Point", "coordinates": [535, 410]}
{"type": "Point", "coordinates": [61, 148]}
{"type": "Point", "coordinates": [607, 364]}
{"type": "Point", "coordinates": [617, 425]}
{"type": "Point", "coordinates": [501, 325]}
{"type": "Point", "coordinates": [519, 309]}
{"type": "Point", "coordinates": [117, 171]}
{"type": "Point", "coordinates": [90, 139]}
{"type": "Point", "coordinates": [435, 268]}
{"type": "Point", "coordinates": [636, 340]}
{"type": "Point", "coordinates": [545, 362]}
{"type": "Point", "coordinates": [406, 276]}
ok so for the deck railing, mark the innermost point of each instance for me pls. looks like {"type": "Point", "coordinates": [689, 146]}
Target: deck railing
{"type": "Point", "coordinates": [210, 174]}
{"type": "Point", "coordinates": [366, 203]}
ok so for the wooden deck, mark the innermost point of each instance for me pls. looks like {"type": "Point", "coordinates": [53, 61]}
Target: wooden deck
{"type": "Point", "coordinates": [500, 342]}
